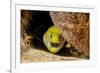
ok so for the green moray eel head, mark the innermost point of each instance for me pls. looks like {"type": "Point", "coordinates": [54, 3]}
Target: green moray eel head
{"type": "Point", "coordinates": [53, 39]}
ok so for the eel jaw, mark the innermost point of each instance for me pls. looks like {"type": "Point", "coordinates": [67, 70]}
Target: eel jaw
{"type": "Point", "coordinates": [54, 44]}
{"type": "Point", "coordinates": [54, 47]}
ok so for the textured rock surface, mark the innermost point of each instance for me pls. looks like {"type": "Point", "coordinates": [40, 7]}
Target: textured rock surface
{"type": "Point", "coordinates": [75, 28]}
{"type": "Point", "coordinates": [36, 55]}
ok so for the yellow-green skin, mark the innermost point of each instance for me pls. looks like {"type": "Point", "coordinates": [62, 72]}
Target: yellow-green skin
{"type": "Point", "coordinates": [53, 40]}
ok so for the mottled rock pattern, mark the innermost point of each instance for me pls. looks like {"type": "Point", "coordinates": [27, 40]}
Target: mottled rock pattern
{"type": "Point", "coordinates": [75, 28]}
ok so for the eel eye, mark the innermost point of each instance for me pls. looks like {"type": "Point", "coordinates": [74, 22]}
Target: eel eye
{"type": "Point", "coordinates": [60, 36]}
{"type": "Point", "coordinates": [51, 35]}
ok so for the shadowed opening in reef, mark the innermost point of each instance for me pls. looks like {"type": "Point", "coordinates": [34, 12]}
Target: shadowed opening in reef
{"type": "Point", "coordinates": [39, 24]}
{"type": "Point", "coordinates": [41, 21]}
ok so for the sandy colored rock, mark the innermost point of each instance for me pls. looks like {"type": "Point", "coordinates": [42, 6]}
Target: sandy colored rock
{"type": "Point", "coordinates": [36, 55]}
{"type": "Point", "coordinates": [75, 28]}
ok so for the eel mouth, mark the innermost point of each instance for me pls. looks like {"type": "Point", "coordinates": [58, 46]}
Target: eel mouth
{"type": "Point", "coordinates": [54, 44]}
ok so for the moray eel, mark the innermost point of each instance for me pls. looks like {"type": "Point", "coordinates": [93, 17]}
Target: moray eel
{"type": "Point", "coordinates": [53, 39]}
